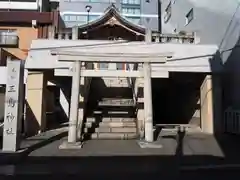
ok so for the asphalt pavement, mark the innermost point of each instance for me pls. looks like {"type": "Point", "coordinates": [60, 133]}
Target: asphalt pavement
{"type": "Point", "coordinates": [194, 156]}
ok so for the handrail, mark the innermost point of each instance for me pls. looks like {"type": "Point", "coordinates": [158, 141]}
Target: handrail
{"type": "Point", "coordinates": [131, 82]}
{"type": "Point", "coordinates": [2, 124]}
{"type": "Point", "coordinates": [88, 82]}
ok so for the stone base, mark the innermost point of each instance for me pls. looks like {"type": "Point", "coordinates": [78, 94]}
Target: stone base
{"type": "Point", "coordinates": [67, 145]}
{"type": "Point", "coordinates": [20, 151]}
{"type": "Point", "coordinates": [150, 145]}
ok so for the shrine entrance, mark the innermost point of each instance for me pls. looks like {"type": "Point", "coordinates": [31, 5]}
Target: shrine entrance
{"type": "Point", "coordinates": [111, 32]}
{"type": "Point", "coordinates": [111, 26]}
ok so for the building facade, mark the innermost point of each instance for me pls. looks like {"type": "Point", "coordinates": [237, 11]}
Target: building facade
{"type": "Point", "coordinates": [27, 5]}
{"type": "Point", "coordinates": [141, 12]}
{"type": "Point", "coordinates": [124, 96]}
{"type": "Point", "coordinates": [213, 22]}
{"type": "Point", "coordinates": [23, 21]}
{"type": "Point", "coordinates": [18, 29]}
{"type": "Point", "coordinates": [208, 19]}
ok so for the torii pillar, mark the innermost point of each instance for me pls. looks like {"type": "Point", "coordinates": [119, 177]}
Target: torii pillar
{"type": "Point", "coordinates": [148, 109]}
{"type": "Point", "coordinates": [72, 141]}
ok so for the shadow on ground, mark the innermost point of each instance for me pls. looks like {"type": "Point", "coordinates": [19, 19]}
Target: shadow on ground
{"type": "Point", "coordinates": [130, 163]}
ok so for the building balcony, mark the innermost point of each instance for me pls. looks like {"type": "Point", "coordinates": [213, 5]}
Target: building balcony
{"type": "Point", "coordinates": [13, 5]}
{"type": "Point", "coordinates": [9, 40]}
{"type": "Point", "coordinates": [27, 17]}
{"type": "Point", "coordinates": [174, 38]}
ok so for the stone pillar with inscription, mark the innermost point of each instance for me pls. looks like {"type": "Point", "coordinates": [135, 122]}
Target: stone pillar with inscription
{"type": "Point", "coordinates": [13, 105]}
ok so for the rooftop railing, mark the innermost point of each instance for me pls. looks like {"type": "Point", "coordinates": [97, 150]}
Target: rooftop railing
{"type": "Point", "coordinates": [156, 37]}
{"type": "Point", "coordinates": [174, 38]}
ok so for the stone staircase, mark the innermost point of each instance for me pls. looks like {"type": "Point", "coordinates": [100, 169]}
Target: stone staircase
{"type": "Point", "coordinates": [111, 110]}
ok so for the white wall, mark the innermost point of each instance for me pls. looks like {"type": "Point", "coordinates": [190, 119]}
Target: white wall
{"type": "Point", "coordinates": [18, 5]}
{"type": "Point", "coordinates": [3, 75]}
{"type": "Point", "coordinates": [185, 56]}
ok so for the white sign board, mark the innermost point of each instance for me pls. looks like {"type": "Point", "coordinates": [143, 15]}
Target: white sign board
{"type": "Point", "coordinates": [13, 105]}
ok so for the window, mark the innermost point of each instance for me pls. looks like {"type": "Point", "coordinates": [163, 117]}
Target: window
{"type": "Point", "coordinates": [131, 2]}
{"type": "Point", "coordinates": [189, 16]}
{"type": "Point", "coordinates": [103, 65]}
{"type": "Point", "coordinates": [72, 18]}
{"type": "Point", "coordinates": [8, 32]}
{"type": "Point", "coordinates": [8, 37]}
{"type": "Point", "coordinates": [168, 13]}
{"type": "Point", "coordinates": [131, 11]}
{"type": "Point", "coordinates": [80, 19]}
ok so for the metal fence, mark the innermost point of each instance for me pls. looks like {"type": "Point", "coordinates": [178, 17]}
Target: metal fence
{"type": "Point", "coordinates": [231, 121]}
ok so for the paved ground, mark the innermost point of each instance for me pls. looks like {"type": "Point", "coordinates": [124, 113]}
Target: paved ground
{"type": "Point", "coordinates": [192, 156]}
{"type": "Point", "coordinates": [187, 175]}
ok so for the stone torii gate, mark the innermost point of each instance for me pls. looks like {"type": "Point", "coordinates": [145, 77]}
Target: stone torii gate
{"type": "Point", "coordinates": [79, 57]}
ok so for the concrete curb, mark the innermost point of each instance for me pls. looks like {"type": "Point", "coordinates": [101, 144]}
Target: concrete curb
{"type": "Point", "coordinates": [43, 169]}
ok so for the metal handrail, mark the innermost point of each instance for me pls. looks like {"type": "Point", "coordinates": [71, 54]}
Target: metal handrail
{"type": "Point", "coordinates": [164, 38]}
{"type": "Point", "coordinates": [131, 83]}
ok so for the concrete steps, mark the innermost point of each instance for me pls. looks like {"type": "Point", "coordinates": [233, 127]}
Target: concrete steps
{"type": "Point", "coordinates": [116, 82]}
{"type": "Point", "coordinates": [111, 124]}
{"type": "Point", "coordinates": [116, 136]}
{"type": "Point", "coordinates": [111, 113]}
{"type": "Point", "coordinates": [116, 102]}
{"type": "Point", "coordinates": [111, 128]}
{"type": "Point", "coordinates": [112, 120]}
